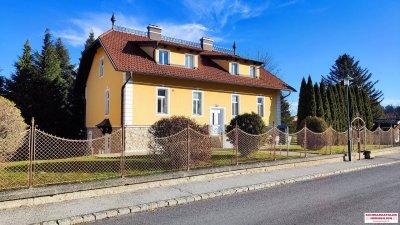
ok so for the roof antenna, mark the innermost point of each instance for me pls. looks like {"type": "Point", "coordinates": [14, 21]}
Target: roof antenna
{"type": "Point", "coordinates": [113, 21]}
{"type": "Point", "coordinates": [234, 48]}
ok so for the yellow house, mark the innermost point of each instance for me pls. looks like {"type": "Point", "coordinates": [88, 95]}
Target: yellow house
{"type": "Point", "coordinates": [135, 78]}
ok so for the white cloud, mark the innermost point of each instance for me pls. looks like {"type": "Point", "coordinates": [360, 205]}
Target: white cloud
{"type": "Point", "coordinates": [288, 3]}
{"type": "Point", "coordinates": [218, 13]}
{"type": "Point", "coordinates": [190, 31]}
{"type": "Point", "coordinates": [80, 28]}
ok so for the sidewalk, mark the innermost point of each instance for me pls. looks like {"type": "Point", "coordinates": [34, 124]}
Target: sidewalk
{"type": "Point", "coordinates": [54, 211]}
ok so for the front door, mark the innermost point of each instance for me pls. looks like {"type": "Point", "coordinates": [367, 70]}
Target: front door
{"type": "Point", "coordinates": [216, 121]}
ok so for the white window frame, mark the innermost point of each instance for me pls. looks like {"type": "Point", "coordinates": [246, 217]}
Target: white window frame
{"type": "Point", "coordinates": [237, 68]}
{"type": "Point", "coordinates": [193, 58]}
{"type": "Point", "coordinates": [201, 102]}
{"type": "Point", "coordinates": [255, 71]}
{"type": "Point", "coordinates": [107, 102]}
{"type": "Point", "coordinates": [167, 98]}
{"type": "Point", "coordinates": [101, 67]}
{"type": "Point", "coordinates": [262, 104]}
{"type": "Point", "coordinates": [169, 56]}
{"type": "Point", "coordinates": [238, 103]}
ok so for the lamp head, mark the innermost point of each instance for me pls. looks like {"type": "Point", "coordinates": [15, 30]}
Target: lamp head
{"type": "Point", "coordinates": [347, 80]}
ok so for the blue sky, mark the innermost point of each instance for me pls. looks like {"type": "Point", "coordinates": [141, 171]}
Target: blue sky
{"type": "Point", "coordinates": [303, 36]}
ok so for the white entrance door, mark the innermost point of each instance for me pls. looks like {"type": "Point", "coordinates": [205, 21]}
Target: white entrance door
{"type": "Point", "coordinates": [216, 121]}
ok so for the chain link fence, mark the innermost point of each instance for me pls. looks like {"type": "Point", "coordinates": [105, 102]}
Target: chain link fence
{"type": "Point", "coordinates": [14, 161]}
{"type": "Point", "coordinates": [37, 158]}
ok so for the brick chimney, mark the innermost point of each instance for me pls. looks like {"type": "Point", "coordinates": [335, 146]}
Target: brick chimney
{"type": "Point", "coordinates": [207, 43]}
{"type": "Point", "coordinates": [154, 32]}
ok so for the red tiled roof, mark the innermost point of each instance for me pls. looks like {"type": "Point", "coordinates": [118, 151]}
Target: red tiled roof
{"type": "Point", "coordinates": [128, 56]}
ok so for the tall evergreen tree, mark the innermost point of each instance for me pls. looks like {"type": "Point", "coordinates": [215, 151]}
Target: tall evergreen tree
{"type": "Point", "coordinates": [285, 111]}
{"type": "Point", "coordinates": [52, 95]}
{"type": "Point", "coordinates": [320, 112]}
{"type": "Point", "coordinates": [3, 81]}
{"type": "Point", "coordinates": [68, 74]}
{"type": "Point", "coordinates": [21, 86]}
{"type": "Point", "coordinates": [339, 112]}
{"type": "Point", "coordinates": [368, 111]}
{"type": "Point", "coordinates": [347, 65]}
{"type": "Point", "coordinates": [360, 103]}
{"type": "Point", "coordinates": [311, 103]}
{"type": "Point", "coordinates": [353, 103]}
{"type": "Point", "coordinates": [301, 108]}
{"type": "Point", "coordinates": [325, 102]}
{"type": "Point", "coordinates": [334, 107]}
{"type": "Point", "coordinates": [47, 61]}
{"type": "Point", "coordinates": [90, 40]}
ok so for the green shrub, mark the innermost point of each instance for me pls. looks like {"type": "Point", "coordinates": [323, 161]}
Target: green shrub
{"type": "Point", "coordinates": [170, 144]}
{"type": "Point", "coordinates": [12, 127]}
{"type": "Point", "coordinates": [250, 123]}
{"type": "Point", "coordinates": [315, 139]}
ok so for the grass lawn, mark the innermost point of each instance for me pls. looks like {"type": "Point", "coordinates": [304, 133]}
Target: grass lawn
{"type": "Point", "coordinates": [87, 168]}
{"type": "Point", "coordinates": [335, 149]}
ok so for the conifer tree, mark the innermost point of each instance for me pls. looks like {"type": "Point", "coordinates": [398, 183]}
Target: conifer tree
{"type": "Point", "coordinates": [353, 103]}
{"type": "Point", "coordinates": [90, 40]}
{"type": "Point", "coordinates": [320, 112]}
{"type": "Point", "coordinates": [285, 111]}
{"type": "Point", "coordinates": [301, 108]}
{"type": "Point", "coordinates": [368, 111]}
{"type": "Point", "coordinates": [360, 103]}
{"type": "Point", "coordinates": [347, 65]}
{"type": "Point", "coordinates": [3, 81]}
{"type": "Point", "coordinates": [47, 62]}
{"type": "Point", "coordinates": [325, 102]}
{"type": "Point", "coordinates": [21, 86]}
{"type": "Point", "coordinates": [334, 107]}
{"type": "Point", "coordinates": [311, 103]}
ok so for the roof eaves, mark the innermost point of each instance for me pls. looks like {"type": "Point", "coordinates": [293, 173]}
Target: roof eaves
{"type": "Point", "coordinates": [212, 81]}
{"type": "Point", "coordinates": [108, 55]}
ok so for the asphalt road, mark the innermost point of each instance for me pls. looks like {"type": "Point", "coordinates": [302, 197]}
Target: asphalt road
{"type": "Point", "coordinates": [341, 199]}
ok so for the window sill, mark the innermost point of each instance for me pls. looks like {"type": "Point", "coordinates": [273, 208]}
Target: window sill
{"type": "Point", "coordinates": [162, 114]}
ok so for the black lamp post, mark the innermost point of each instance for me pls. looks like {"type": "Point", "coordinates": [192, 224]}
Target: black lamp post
{"type": "Point", "coordinates": [346, 81]}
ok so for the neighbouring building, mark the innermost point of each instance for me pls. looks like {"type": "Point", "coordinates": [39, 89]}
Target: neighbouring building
{"type": "Point", "coordinates": [135, 78]}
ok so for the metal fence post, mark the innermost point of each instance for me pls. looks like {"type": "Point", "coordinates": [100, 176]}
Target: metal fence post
{"type": "Point", "coordinates": [31, 152]}
{"type": "Point", "coordinates": [305, 139]}
{"type": "Point", "coordinates": [330, 140]}
{"type": "Point", "coordinates": [380, 136]}
{"type": "Point", "coordinates": [273, 139]}
{"type": "Point", "coordinates": [391, 136]}
{"type": "Point", "coordinates": [188, 146]}
{"type": "Point", "coordinates": [237, 143]}
{"type": "Point", "coordinates": [287, 142]}
{"type": "Point", "coordinates": [365, 137]}
{"type": "Point", "coordinates": [122, 161]}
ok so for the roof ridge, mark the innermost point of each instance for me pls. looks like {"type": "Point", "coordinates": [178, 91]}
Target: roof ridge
{"type": "Point", "coordinates": [217, 48]}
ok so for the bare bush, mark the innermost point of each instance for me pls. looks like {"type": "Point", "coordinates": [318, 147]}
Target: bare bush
{"type": "Point", "coordinates": [11, 127]}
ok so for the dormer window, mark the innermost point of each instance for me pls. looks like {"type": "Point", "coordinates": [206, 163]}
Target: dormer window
{"type": "Point", "coordinates": [252, 71]}
{"type": "Point", "coordinates": [163, 57]}
{"type": "Point", "coordinates": [189, 61]}
{"type": "Point", "coordinates": [234, 69]}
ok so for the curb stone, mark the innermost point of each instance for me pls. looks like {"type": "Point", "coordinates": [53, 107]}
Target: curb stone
{"type": "Point", "coordinates": [192, 198]}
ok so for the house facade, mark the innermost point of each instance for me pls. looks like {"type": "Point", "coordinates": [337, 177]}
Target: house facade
{"type": "Point", "coordinates": [135, 78]}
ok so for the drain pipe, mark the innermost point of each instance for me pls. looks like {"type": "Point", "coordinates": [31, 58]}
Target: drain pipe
{"type": "Point", "coordinates": [122, 163]}
{"type": "Point", "coordinates": [123, 98]}
{"type": "Point", "coordinates": [290, 92]}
